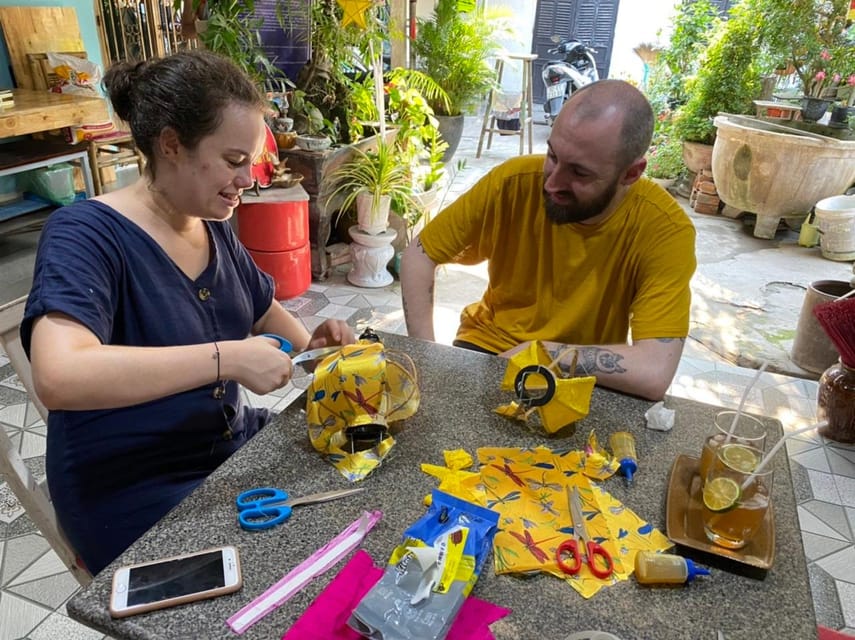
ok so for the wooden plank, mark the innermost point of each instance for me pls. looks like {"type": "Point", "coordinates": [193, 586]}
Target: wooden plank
{"type": "Point", "coordinates": [38, 30]}
{"type": "Point", "coordinates": [36, 111]}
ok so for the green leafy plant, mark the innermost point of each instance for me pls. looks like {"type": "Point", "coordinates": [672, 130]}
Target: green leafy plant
{"type": "Point", "coordinates": [800, 32]}
{"type": "Point", "coordinates": [728, 78]}
{"type": "Point", "coordinates": [453, 48]}
{"type": "Point", "coordinates": [665, 158]}
{"type": "Point", "coordinates": [377, 173]}
{"type": "Point", "coordinates": [693, 24]}
{"type": "Point", "coordinates": [232, 30]}
{"type": "Point", "coordinates": [308, 119]}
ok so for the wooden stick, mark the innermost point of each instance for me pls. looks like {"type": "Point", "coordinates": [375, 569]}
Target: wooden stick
{"type": "Point", "coordinates": [561, 354]}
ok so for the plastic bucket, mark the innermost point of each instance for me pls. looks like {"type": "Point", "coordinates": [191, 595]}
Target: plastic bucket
{"type": "Point", "coordinates": [812, 348]}
{"type": "Point", "coordinates": [835, 217]}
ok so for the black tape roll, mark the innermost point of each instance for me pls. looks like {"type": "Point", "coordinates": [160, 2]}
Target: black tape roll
{"type": "Point", "coordinates": [519, 385]}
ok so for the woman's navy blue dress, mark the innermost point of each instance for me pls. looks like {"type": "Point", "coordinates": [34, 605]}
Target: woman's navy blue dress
{"type": "Point", "coordinates": [114, 473]}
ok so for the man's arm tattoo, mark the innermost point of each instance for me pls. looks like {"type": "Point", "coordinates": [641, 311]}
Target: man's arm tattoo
{"type": "Point", "coordinates": [670, 339]}
{"type": "Point", "coordinates": [592, 360]}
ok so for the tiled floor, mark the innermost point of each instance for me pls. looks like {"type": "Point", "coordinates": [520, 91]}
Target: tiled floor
{"type": "Point", "coordinates": [34, 588]}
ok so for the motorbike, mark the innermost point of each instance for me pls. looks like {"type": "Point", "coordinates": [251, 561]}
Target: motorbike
{"type": "Point", "coordinates": [562, 77]}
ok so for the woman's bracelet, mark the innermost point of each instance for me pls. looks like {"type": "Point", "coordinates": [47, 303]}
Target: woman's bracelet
{"type": "Point", "coordinates": [220, 390]}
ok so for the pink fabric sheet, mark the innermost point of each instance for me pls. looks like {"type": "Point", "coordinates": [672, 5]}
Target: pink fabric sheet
{"type": "Point", "coordinates": [327, 616]}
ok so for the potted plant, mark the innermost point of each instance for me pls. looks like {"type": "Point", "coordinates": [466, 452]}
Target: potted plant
{"type": "Point", "coordinates": [309, 123]}
{"type": "Point", "coordinates": [665, 160]}
{"type": "Point", "coordinates": [453, 48]}
{"type": "Point", "coordinates": [371, 180]}
{"type": "Point", "coordinates": [231, 29]}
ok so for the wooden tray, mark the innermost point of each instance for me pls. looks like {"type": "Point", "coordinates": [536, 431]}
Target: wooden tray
{"type": "Point", "coordinates": [685, 527]}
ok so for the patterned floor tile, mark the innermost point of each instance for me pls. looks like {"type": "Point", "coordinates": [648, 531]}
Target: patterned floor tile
{"type": "Point", "coordinates": [19, 616]}
{"type": "Point", "coordinates": [842, 462]}
{"type": "Point", "coordinates": [840, 565]}
{"type": "Point", "coordinates": [813, 459]}
{"type": "Point", "coordinates": [846, 489]}
{"type": "Point", "coordinates": [10, 508]}
{"type": "Point", "coordinates": [810, 521]}
{"type": "Point", "coordinates": [47, 565]}
{"type": "Point", "coordinates": [833, 515]}
{"type": "Point", "coordinates": [13, 383]}
{"type": "Point", "coordinates": [57, 626]}
{"type": "Point", "coordinates": [336, 311]}
{"type": "Point", "coordinates": [15, 415]}
{"type": "Point", "coordinates": [846, 593]}
{"type": "Point", "coordinates": [824, 487]}
{"type": "Point", "coordinates": [19, 554]}
{"type": "Point", "coordinates": [816, 546]}
{"type": "Point", "coordinates": [50, 591]}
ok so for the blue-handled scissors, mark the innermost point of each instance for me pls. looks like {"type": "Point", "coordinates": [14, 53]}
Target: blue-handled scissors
{"type": "Point", "coordinates": [306, 357]}
{"type": "Point", "coordinates": [267, 507]}
{"type": "Point", "coordinates": [571, 549]}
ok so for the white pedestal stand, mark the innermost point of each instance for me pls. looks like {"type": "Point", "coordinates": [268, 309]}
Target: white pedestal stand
{"type": "Point", "coordinates": [370, 255]}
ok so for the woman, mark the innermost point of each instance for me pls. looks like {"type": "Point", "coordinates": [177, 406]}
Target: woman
{"type": "Point", "coordinates": [139, 324]}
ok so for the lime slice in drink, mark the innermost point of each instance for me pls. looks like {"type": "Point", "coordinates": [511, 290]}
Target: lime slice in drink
{"type": "Point", "coordinates": [739, 457]}
{"type": "Point", "coordinates": [721, 494]}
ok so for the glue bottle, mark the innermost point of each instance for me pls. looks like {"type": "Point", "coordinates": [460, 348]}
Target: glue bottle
{"type": "Point", "coordinates": [623, 449]}
{"type": "Point", "coordinates": [665, 568]}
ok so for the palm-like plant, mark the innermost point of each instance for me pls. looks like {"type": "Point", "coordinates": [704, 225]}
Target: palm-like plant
{"type": "Point", "coordinates": [453, 49]}
{"type": "Point", "coordinates": [375, 173]}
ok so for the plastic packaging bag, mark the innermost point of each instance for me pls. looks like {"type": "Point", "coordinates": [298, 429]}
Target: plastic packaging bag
{"type": "Point", "coordinates": [430, 574]}
{"type": "Point", "coordinates": [54, 183]}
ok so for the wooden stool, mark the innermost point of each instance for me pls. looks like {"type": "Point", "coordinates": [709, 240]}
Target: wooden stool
{"type": "Point", "coordinates": [526, 104]}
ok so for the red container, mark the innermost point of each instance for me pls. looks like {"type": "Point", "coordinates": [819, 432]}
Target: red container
{"type": "Point", "coordinates": [291, 270]}
{"type": "Point", "coordinates": [277, 220]}
{"type": "Point", "coordinates": [274, 227]}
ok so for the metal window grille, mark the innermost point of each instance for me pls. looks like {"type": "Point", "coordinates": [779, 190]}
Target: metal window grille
{"type": "Point", "coordinates": [140, 29]}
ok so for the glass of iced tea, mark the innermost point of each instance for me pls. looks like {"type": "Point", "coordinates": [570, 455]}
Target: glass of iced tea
{"type": "Point", "coordinates": [748, 430]}
{"type": "Point", "coordinates": [735, 498]}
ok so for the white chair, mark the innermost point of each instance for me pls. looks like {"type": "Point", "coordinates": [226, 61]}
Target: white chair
{"type": "Point", "coordinates": [32, 495]}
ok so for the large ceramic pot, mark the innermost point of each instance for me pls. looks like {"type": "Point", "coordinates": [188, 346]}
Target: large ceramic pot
{"type": "Point", "coordinates": [776, 171]}
{"type": "Point", "coordinates": [697, 156]}
{"type": "Point", "coordinates": [451, 130]}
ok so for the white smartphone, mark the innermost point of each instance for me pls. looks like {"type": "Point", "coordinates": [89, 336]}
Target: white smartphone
{"type": "Point", "coordinates": [172, 581]}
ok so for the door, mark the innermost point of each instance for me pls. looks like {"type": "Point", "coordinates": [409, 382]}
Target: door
{"type": "Point", "coordinates": [589, 21]}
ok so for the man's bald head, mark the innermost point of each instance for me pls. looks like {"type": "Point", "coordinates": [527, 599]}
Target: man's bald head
{"type": "Point", "coordinates": [620, 102]}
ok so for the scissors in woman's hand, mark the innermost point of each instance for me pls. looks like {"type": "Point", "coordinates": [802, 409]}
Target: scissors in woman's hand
{"type": "Point", "coordinates": [571, 549]}
{"type": "Point", "coordinates": [266, 507]}
{"type": "Point", "coordinates": [306, 357]}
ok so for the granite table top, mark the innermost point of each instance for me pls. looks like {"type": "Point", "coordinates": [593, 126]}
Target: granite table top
{"type": "Point", "coordinates": [460, 389]}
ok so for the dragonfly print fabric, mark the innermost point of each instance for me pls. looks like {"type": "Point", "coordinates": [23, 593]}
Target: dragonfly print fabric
{"type": "Point", "coordinates": [528, 487]}
{"type": "Point", "coordinates": [354, 397]}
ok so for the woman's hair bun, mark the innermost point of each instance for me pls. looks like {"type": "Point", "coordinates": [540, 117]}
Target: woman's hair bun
{"type": "Point", "coordinates": [119, 81]}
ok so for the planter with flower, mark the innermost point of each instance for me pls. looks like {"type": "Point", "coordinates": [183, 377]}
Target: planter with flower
{"type": "Point", "coordinates": [665, 160]}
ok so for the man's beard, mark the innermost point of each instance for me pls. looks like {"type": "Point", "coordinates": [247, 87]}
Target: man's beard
{"type": "Point", "coordinates": [578, 211]}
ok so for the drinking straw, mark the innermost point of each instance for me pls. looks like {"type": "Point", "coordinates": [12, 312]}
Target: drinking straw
{"type": "Point", "coordinates": [742, 401]}
{"type": "Point", "coordinates": [846, 295]}
{"type": "Point", "coordinates": [777, 446]}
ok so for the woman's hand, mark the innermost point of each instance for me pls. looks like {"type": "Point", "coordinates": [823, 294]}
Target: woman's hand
{"type": "Point", "coordinates": [257, 363]}
{"type": "Point", "coordinates": [331, 332]}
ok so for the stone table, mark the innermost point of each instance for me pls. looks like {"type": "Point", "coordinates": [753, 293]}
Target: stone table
{"type": "Point", "coordinates": [460, 389]}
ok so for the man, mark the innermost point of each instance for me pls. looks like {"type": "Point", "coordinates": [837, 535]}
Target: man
{"type": "Point", "coordinates": [580, 250]}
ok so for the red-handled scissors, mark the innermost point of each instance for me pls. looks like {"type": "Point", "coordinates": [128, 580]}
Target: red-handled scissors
{"type": "Point", "coordinates": [572, 551]}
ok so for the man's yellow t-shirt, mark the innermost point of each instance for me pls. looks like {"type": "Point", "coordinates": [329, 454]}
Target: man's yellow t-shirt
{"type": "Point", "coordinates": [571, 283]}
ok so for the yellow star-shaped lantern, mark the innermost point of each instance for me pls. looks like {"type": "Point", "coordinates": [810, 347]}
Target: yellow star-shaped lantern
{"type": "Point", "coordinates": [354, 12]}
